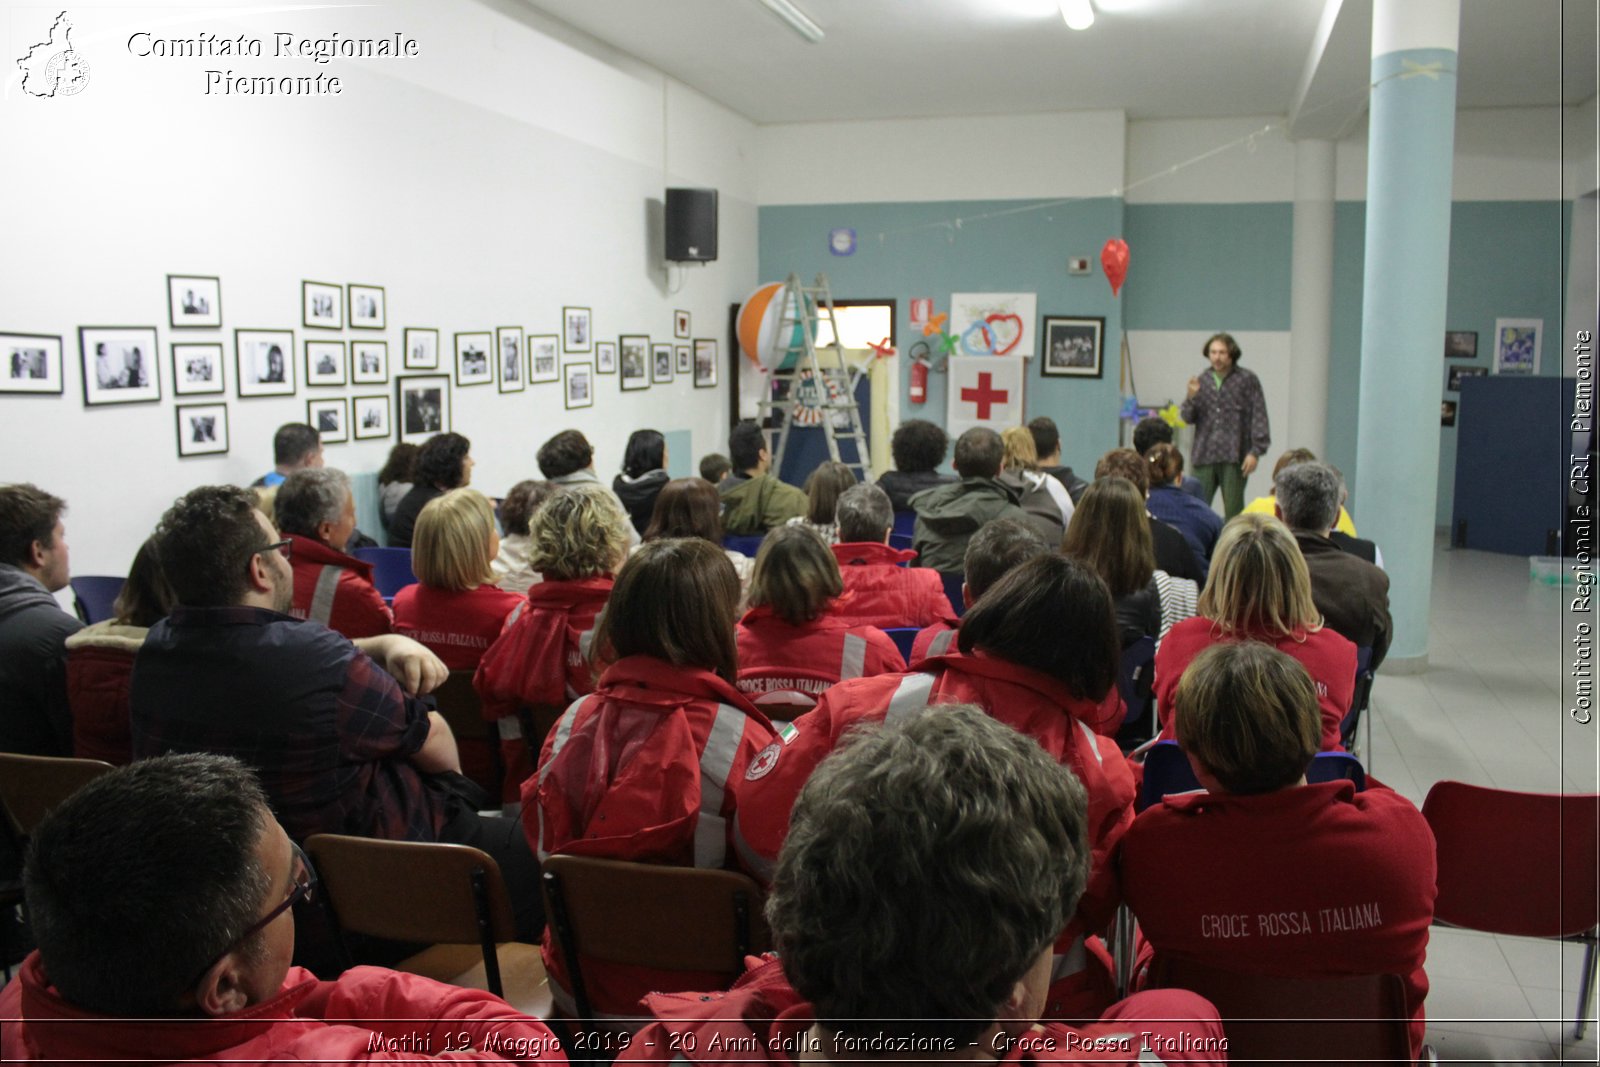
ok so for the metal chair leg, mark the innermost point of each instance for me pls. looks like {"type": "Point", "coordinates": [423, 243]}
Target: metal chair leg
{"type": "Point", "coordinates": [1586, 985]}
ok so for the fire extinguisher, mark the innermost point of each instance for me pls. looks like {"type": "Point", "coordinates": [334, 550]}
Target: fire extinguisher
{"type": "Point", "coordinates": [919, 372]}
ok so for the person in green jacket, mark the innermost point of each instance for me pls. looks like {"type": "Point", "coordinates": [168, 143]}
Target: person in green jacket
{"type": "Point", "coordinates": [754, 500]}
{"type": "Point", "coordinates": [948, 516]}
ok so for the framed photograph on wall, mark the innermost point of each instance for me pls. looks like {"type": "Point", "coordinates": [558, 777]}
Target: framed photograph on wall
{"type": "Point", "coordinates": [197, 369]}
{"type": "Point", "coordinates": [369, 417]}
{"type": "Point", "coordinates": [578, 326]}
{"type": "Point", "coordinates": [367, 308]}
{"type": "Point", "coordinates": [331, 418]}
{"type": "Point", "coordinates": [513, 372]}
{"type": "Point", "coordinates": [421, 347]}
{"type": "Point", "coordinates": [473, 363]}
{"type": "Point", "coordinates": [705, 363]}
{"type": "Point", "coordinates": [633, 351]}
{"type": "Point", "coordinates": [422, 402]}
{"type": "Point", "coordinates": [1460, 344]}
{"type": "Point", "coordinates": [1447, 413]}
{"type": "Point", "coordinates": [32, 363]}
{"type": "Point", "coordinates": [543, 357]}
{"type": "Point", "coordinates": [660, 364]}
{"type": "Point", "coordinates": [194, 302]}
{"type": "Point", "coordinates": [119, 364]}
{"type": "Point", "coordinates": [1516, 345]}
{"type": "Point", "coordinates": [202, 430]}
{"type": "Point", "coordinates": [325, 362]}
{"type": "Point", "coordinates": [322, 305]}
{"type": "Point", "coordinates": [1454, 375]}
{"type": "Point", "coordinates": [680, 325]}
{"type": "Point", "coordinates": [264, 362]}
{"type": "Point", "coordinates": [605, 357]}
{"type": "Point", "coordinates": [684, 360]}
{"type": "Point", "coordinates": [1073, 346]}
{"type": "Point", "coordinates": [369, 362]}
{"type": "Point", "coordinates": [579, 378]}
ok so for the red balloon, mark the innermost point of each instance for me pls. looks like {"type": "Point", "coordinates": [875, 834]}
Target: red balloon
{"type": "Point", "coordinates": [1114, 258]}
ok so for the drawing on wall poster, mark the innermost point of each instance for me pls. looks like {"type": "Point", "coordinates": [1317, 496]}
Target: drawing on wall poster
{"type": "Point", "coordinates": [993, 324]}
{"type": "Point", "coordinates": [1516, 345]}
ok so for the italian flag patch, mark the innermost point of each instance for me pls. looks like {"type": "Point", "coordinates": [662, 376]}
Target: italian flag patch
{"type": "Point", "coordinates": [788, 732]}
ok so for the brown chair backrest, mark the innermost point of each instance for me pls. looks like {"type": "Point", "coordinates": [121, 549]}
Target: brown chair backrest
{"type": "Point", "coordinates": [409, 890]}
{"type": "Point", "coordinates": [462, 710]}
{"type": "Point", "coordinates": [32, 785]}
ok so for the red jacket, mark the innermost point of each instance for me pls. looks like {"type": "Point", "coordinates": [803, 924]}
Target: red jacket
{"type": "Point", "coordinates": [1030, 702]}
{"type": "Point", "coordinates": [1304, 882]}
{"type": "Point", "coordinates": [99, 669]}
{"type": "Point", "coordinates": [647, 768]}
{"type": "Point", "coordinates": [936, 640]}
{"type": "Point", "coordinates": [762, 1020]}
{"type": "Point", "coordinates": [778, 657]}
{"type": "Point", "coordinates": [336, 590]}
{"type": "Point", "coordinates": [883, 593]}
{"type": "Point", "coordinates": [1329, 658]}
{"type": "Point", "coordinates": [383, 1016]}
{"type": "Point", "coordinates": [458, 626]}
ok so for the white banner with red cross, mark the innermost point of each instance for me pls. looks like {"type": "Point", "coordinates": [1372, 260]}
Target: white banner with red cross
{"type": "Point", "coordinates": [985, 391]}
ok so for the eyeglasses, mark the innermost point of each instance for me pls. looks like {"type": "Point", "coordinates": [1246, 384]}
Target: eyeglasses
{"type": "Point", "coordinates": [304, 888]}
{"type": "Point", "coordinates": [286, 546]}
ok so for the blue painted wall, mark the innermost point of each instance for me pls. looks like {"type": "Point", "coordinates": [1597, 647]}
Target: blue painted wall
{"type": "Point", "coordinates": [1209, 266]}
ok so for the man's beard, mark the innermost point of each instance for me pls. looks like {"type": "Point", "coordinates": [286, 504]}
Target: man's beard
{"type": "Point", "coordinates": [283, 592]}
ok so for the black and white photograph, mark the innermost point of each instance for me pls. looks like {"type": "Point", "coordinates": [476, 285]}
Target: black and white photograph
{"type": "Point", "coordinates": [119, 364]}
{"type": "Point", "coordinates": [576, 336]}
{"type": "Point", "coordinates": [605, 357]}
{"type": "Point", "coordinates": [369, 417]}
{"type": "Point", "coordinates": [32, 363]}
{"type": "Point", "coordinates": [1447, 413]}
{"type": "Point", "coordinates": [202, 429]}
{"type": "Point", "coordinates": [422, 348]}
{"type": "Point", "coordinates": [660, 363]}
{"type": "Point", "coordinates": [331, 419]}
{"type": "Point", "coordinates": [194, 301]}
{"type": "Point", "coordinates": [1454, 375]}
{"type": "Point", "coordinates": [633, 351]}
{"type": "Point", "coordinates": [367, 311]}
{"type": "Point", "coordinates": [325, 362]}
{"type": "Point", "coordinates": [680, 325]}
{"type": "Point", "coordinates": [683, 359]}
{"type": "Point", "coordinates": [322, 305]}
{"type": "Point", "coordinates": [1460, 344]}
{"type": "Point", "coordinates": [264, 362]}
{"type": "Point", "coordinates": [369, 362]}
{"type": "Point", "coordinates": [474, 358]}
{"type": "Point", "coordinates": [544, 357]}
{"type": "Point", "coordinates": [705, 363]}
{"type": "Point", "coordinates": [423, 403]}
{"type": "Point", "coordinates": [513, 372]}
{"type": "Point", "coordinates": [197, 368]}
{"type": "Point", "coordinates": [579, 385]}
{"type": "Point", "coordinates": [1073, 346]}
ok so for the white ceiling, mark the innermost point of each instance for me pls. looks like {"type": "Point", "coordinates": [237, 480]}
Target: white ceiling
{"type": "Point", "coordinates": [1150, 58]}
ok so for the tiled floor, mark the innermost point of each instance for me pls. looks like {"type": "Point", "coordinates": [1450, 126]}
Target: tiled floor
{"type": "Point", "coordinates": [1490, 711]}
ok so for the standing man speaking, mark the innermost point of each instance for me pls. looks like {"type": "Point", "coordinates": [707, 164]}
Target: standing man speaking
{"type": "Point", "coordinates": [1229, 414]}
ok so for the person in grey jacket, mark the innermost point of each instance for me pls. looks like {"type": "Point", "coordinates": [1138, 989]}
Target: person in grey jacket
{"type": "Point", "coordinates": [34, 718]}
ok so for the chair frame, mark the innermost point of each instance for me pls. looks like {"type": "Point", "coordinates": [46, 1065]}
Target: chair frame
{"type": "Point", "coordinates": [453, 705]}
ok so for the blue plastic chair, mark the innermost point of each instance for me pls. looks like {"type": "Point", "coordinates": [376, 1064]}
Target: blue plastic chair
{"type": "Point", "coordinates": [1332, 766]}
{"type": "Point", "coordinates": [952, 589]}
{"type": "Point", "coordinates": [905, 523]}
{"type": "Point", "coordinates": [96, 594]}
{"type": "Point", "coordinates": [1361, 697]}
{"type": "Point", "coordinates": [903, 638]}
{"type": "Point", "coordinates": [899, 540]}
{"type": "Point", "coordinates": [1135, 681]}
{"type": "Point", "coordinates": [749, 544]}
{"type": "Point", "coordinates": [391, 568]}
{"type": "Point", "coordinates": [1167, 771]}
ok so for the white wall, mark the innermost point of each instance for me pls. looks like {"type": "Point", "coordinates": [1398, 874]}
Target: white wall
{"type": "Point", "coordinates": [1210, 161]}
{"type": "Point", "coordinates": [1510, 153]}
{"type": "Point", "coordinates": [498, 176]}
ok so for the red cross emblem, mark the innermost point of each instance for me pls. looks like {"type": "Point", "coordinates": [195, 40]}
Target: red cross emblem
{"type": "Point", "coordinates": [985, 395]}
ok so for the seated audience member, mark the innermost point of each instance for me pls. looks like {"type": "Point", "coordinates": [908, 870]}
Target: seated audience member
{"type": "Point", "coordinates": [690, 507]}
{"type": "Point", "coordinates": [667, 699]}
{"type": "Point", "coordinates": [296, 446]}
{"type": "Point", "coordinates": [1110, 535]}
{"type": "Point", "coordinates": [160, 895]}
{"type": "Point", "coordinates": [1039, 653]}
{"type": "Point", "coordinates": [933, 921]}
{"type": "Point", "coordinates": [1352, 594]}
{"type": "Point", "coordinates": [823, 489]}
{"type": "Point", "coordinates": [1152, 431]}
{"type": "Point", "coordinates": [918, 447]}
{"type": "Point", "coordinates": [568, 459]}
{"type": "Point", "coordinates": [100, 661]}
{"type": "Point", "coordinates": [754, 500]}
{"type": "Point", "coordinates": [444, 463]}
{"type": "Point", "coordinates": [1172, 550]}
{"type": "Point", "coordinates": [512, 571]}
{"type": "Point", "coordinates": [992, 552]}
{"type": "Point", "coordinates": [881, 591]}
{"type": "Point", "coordinates": [1047, 445]}
{"type": "Point", "coordinates": [1329, 881]}
{"type": "Point", "coordinates": [644, 472]}
{"type": "Point", "coordinates": [715, 467]}
{"type": "Point", "coordinates": [1259, 590]}
{"type": "Point", "coordinates": [1041, 495]}
{"type": "Point", "coordinates": [396, 479]}
{"type": "Point", "coordinates": [791, 640]}
{"type": "Point", "coordinates": [339, 745]}
{"type": "Point", "coordinates": [577, 539]}
{"type": "Point", "coordinates": [455, 609]}
{"type": "Point", "coordinates": [949, 515]}
{"type": "Point", "coordinates": [1264, 505]}
{"type": "Point", "coordinates": [34, 563]}
{"type": "Point", "coordinates": [1184, 512]}
{"type": "Point", "coordinates": [316, 511]}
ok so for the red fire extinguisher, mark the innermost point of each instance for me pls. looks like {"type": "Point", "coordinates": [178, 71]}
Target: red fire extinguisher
{"type": "Point", "coordinates": [919, 373]}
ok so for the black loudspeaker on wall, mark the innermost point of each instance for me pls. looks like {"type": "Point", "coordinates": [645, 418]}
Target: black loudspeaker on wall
{"type": "Point", "coordinates": [691, 225]}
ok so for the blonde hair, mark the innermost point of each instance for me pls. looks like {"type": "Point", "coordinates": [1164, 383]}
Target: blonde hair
{"type": "Point", "coordinates": [795, 574]}
{"type": "Point", "coordinates": [450, 545]}
{"type": "Point", "coordinates": [1021, 453]}
{"type": "Point", "coordinates": [1248, 713]}
{"type": "Point", "coordinates": [1259, 585]}
{"type": "Point", "coordinates": [578, 533]}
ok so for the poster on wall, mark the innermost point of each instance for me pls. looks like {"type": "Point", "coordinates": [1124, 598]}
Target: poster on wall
{"type": "Point", "coordinates": [1516, 345]}
{"type": "Point", "coordinates": [993, 324]}
{"type": "Point", "coordinates": [984, 391]}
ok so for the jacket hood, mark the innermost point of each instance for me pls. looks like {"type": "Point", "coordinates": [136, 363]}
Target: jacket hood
{"type": "Point", "coordinates": [632, 490]}
{"type": "Point", "coordinates": [109, 634]}
{"type": "Point", "coordinates": [20, 590]}
{"type": "Point", "coordinates": [962, 507]}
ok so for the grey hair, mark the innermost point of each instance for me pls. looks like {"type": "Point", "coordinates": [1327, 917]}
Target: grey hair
{"type": "Point", "coordinates": [310, 497]}
{"type": "Point", "coordinates": [1309, 495]}
{"type": "Point", "coordinates": [928, 864]}
{"type": "Point", "coordinates": [864, 513]}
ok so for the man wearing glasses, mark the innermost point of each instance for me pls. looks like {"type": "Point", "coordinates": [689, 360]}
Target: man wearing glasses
{"type": "Point", "coordinates": [160, 897]}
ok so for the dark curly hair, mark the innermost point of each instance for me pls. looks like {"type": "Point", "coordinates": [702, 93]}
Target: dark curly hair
{"type": "Point", "coordinates": [442, 461]}
{"type": "Point", "coordinates": [918, 445]}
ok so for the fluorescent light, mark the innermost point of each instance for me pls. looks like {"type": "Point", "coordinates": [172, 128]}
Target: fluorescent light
{"type": "Point", "coordinates": [1079, 14]}
{"type": "Point", "coordinates": [799, 21]}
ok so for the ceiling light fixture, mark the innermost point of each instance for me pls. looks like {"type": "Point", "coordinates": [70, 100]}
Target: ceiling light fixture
{"type": "Point", "coordinates": [1078, 14]}
{"type": "Point", "coordinates": [800, 22]}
